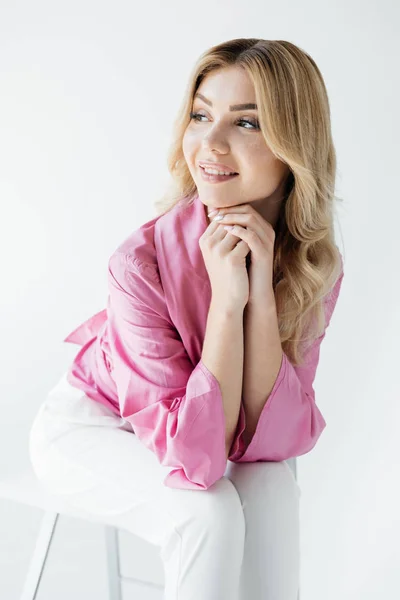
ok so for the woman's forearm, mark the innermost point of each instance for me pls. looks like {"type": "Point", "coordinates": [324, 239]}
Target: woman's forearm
{"type": "Point", "coordinates": [222, 354]}
{"type": "Point", "coordinates": [263, 356]}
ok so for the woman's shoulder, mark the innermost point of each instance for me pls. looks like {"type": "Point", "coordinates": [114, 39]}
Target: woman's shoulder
{"type": "Point", "coordinates": [139, 246]}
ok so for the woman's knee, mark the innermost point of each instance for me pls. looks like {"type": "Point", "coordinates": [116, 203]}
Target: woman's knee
{"type": "Point", "coordinates": [221, 503]}
{"type": "Point", "coordinates": [218, 508]}
{"type": "Point", "coordinates": [263, 479]}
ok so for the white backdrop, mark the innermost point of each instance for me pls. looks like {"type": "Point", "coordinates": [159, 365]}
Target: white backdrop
{"type": "Point", "coordinates": [88, 94]}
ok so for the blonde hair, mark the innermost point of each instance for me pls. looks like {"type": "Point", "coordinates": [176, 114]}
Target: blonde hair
{"type": "Point", "coordinates": [294, 116]}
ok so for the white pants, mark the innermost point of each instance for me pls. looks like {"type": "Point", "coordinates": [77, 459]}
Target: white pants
{"type": "Point", "coordinates": [237, 540]}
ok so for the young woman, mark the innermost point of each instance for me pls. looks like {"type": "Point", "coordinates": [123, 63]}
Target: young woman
{"type": "Point", "coordinates": [195, 384]}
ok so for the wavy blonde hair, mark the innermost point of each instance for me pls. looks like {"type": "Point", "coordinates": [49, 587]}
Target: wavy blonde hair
{"type": "Point", "coordinates": [294, 116]}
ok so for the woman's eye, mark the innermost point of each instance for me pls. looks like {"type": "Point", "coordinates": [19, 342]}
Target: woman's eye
{"type": "Point", "coordinates": [254, 124]}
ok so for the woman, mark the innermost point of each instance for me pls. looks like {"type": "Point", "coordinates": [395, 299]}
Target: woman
{"type": "Point", "coordinates": [195, 384]}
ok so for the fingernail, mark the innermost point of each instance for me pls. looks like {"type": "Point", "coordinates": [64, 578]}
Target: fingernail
{"type": "Point", "coordinates": [213, 212]}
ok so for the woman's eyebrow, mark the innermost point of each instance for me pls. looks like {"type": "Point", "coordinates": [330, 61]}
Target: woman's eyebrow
{"type": "Point", "coordinates": [247, 106]}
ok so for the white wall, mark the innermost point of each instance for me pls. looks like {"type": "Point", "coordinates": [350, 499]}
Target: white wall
{"type": "Point", "coordinates": [88, 94]}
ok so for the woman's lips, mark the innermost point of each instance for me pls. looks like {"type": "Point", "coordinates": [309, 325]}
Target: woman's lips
{"type": "Point", "coordinates": [216, 178]}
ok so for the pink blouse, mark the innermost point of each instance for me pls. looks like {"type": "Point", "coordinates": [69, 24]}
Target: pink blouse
{"type": "Point", "coordinates": [141, 357]}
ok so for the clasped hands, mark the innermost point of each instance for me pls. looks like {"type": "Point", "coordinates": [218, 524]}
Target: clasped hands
{"type": "Point", "coordinates": [247, 224]}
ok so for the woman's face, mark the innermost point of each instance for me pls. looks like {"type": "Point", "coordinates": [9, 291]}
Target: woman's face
{"type": "Point", "coordinates": [232, 137]}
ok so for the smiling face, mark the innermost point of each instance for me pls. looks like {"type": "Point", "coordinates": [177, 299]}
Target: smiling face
{"type": "Point", "coordinates": [219, 132]}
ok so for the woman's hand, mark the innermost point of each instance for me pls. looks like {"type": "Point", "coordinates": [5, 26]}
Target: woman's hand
{"type": "Point", "coordinates": [258, 233]}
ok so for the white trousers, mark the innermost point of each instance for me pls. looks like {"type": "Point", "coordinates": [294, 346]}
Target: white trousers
{"type": "Point", "coordinates": [237, 540]}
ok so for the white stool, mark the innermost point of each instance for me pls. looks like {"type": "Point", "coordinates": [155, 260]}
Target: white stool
{"type": "Point", "coordinates": [26, 489]}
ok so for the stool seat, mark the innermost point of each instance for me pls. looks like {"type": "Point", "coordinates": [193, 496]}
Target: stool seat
{"type": "Point", "coordinates": [25, 488]}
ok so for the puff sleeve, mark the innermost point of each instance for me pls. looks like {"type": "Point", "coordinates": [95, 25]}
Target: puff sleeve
{"type": "Point", "coordinates": [290, 422]}
{"type": "Point", "coordinates": [175, 407]}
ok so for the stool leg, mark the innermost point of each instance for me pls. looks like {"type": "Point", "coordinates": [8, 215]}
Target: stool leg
{"type": "Point", "coordinates": [39, 556]}
{"type": "Point", "coordinates": [114, 574]}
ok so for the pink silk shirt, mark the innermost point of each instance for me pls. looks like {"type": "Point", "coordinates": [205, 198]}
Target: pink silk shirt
{"type": "Point", "coordinates": [141, 357]}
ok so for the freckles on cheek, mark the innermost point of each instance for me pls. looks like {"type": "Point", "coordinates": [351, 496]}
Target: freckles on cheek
{"type": "Point", "coordinates": [263, 161]}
